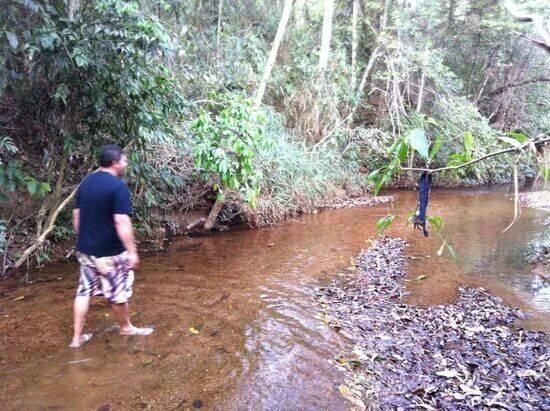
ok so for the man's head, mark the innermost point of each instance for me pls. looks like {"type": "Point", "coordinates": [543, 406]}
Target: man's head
{"type": "Point", "coordinates": [112, 157]}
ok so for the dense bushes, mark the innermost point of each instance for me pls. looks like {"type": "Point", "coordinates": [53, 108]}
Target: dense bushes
{"type": "Point", "coordinates": [171, 81]}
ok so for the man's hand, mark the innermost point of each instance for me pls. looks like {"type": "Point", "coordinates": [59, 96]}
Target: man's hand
{"type": "Point", "coordinates": [133, 260]}
{"type": "Point", "coordinates": [76, 220]}
{"type": "Point", "coordinates": [123, 225]}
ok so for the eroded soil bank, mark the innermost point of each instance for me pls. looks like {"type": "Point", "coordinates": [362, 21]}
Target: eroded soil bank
{"type": "Point", "coordinates": [468, 354]}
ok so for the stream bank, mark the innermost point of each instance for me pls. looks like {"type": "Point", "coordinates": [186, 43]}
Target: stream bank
{"type": "Point", "coordinates": [463, 355]}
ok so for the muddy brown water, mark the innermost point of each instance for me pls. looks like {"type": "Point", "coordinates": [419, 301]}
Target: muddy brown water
{"type": "Point", "coordinates": [249, 294]}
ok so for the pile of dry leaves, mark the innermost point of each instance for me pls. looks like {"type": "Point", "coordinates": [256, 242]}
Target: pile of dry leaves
{"type": "Point", "coordinates": [466, 355]}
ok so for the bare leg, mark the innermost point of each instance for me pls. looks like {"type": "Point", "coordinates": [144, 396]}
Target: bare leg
{"type": "Point", "coordinates": [123, 316]}
{"type": "Point", "coordinates": [81, 306]}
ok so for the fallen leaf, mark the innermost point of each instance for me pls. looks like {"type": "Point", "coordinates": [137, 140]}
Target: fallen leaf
{"type": "Point", "coordinates": [341, 360]}
{"type": "Point", "coordinates": [21, 297]}
{"type": "Point", "coordinates": [469, 390]}
{"type": "Point", "coordinates": [345, 391]}
{"type": "Point", "coordinates": [350, 396]}
{"type": "Point", "coordinates": [447, 373]}
{"type": "Point", "coordinates": [193, 330]}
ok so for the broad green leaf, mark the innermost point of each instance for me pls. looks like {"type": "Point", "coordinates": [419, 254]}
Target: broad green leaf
{"type": "Point", "coordinates": [511, 141]}
{"type": "Point", "coordinates": [457, 159]}
{"type": "Point", "coordinates": [418, 141]}
{"type": "Point", "coordinates": [32, 187]}
{"type": "Point", "coordinates": [371, 178]}
{"type": "Point", "coordinates": [47, 41]}
{"type": "Point", "coordinates": [383, 179]}
{"type": "Point", "coordinates": [518, 136]}
{"type": "Point", "coordinates": [12, 38]}
{"type": "Point", "coordinates": [61, 93]}
{"type": "Point", "coordinates": [468, 141]}
{"type": "Point", "coordinates": [45, 188]}
{"type": "Point", "coordinates": [384, 223]}
{"type": "Point", "coordinates": [402, 152]}
{"type": "Point", "coordinates": [81, 60]}
{"type": "Point", "coordinates": [545, 172]}
{"type": "Point", "coordinates": [436, 221]}
{"type": "Point", "coordinates": [391, 148]}
{"type": "Point", "coordinates": [436, 147]}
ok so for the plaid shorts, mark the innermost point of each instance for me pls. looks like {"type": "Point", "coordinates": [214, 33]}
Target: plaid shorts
{"type": "Point", "coordinates": [107, 276]}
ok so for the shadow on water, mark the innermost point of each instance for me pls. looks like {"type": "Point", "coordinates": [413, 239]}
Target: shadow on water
{"type": "Point", "coordinates": [248, 294]}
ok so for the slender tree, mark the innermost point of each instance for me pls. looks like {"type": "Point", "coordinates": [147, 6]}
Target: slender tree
{"type": "Point", "coordinates": [326, 35]}
{"type": "Point", "coordinates": [354, 43]}
{"type": "Point", "coordinates": [273, 52]}
{"type": "Point", "coordinates": [299, 12]}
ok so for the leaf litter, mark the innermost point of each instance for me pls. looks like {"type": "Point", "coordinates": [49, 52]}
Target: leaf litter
{"type": "Point", "coordinates": [465, 355]}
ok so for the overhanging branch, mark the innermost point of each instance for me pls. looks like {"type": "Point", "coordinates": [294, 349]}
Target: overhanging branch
{"type": "Point", "coordinates": [522, 83]}
{"type": "Point", "coordinates": [476, 160]}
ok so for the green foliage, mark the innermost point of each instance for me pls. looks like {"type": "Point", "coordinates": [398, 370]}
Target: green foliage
{"type": "Point", "coordinates": [99, 76]}
{"type": "Point", "coordinates": [12, 175]}
{"type": "Point", "coordinates": [384, 223]}
{"type": "Point", "coordinates": [228, 134]}
{"type": "Point", "coordinates": [468, 141]}
{"type": "Point", "coordinates": [435, 147]}
{"type": "Point", "coordinates": [418, 141]}
{"type": "Point", "coordinates": [383, 175]}
{"type": "Point", "coordinates": [295, 176]}
{"type": "Point", "coordinates": [440, 227]}
{"type": "Point", "coordinates": [130, 72]}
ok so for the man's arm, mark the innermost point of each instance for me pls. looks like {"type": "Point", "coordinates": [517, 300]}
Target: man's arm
{"type": "Point", "coordinates": [76, 220]}
{"type": "Point", "coordinates": [123, 225]}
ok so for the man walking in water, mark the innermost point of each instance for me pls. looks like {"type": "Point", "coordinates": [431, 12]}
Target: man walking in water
{"type": "Point", "coordinates": [106, 250]}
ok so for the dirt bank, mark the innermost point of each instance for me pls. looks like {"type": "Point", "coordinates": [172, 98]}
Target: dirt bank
{"type": "Point", "coordinates": [465, 355]}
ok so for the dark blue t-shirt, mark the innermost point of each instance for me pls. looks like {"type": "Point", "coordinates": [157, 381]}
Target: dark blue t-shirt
{"type": "Point", "coordinates": [99, 197]}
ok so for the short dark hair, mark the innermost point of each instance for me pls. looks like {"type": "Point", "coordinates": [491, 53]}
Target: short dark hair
{"type": "Point", "coordinates": [109, 153]}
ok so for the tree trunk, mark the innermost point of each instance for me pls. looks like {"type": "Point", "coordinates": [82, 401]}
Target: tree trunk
{"type": "Point", "coordinates": [213, 215]}
{"type": "Point", "coordinates": [450, 16]}
{"type": "Point", "coordinates": [46, 232]}
{"type": "Point", "coordinates": [326, 35]}
{"type": "Point", "coordinates": [354, 43]}
{"type": "Point", "coordinates": [421, 91]}
{"type": "Point", "coordinates": [72, 8]}
{"type": "Point", "coordinates": [219, 32]}
{"type": "Point", "coordinates": [372, 59]}
{"type": "Point", "coordinates": [273, 53]}
{"type": "Point", "coordinates": [299, 13]}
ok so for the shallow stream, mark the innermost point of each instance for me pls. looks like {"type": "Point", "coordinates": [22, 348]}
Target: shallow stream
{"type": "Point", "coordinates": [249, 295]}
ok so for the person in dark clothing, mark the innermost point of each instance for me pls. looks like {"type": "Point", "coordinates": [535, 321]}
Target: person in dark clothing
{"type": "Point", "coordinates": [105, 247]}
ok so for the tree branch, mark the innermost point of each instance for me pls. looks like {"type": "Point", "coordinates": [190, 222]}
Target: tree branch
{"type": "Point", "coordinates": [476, 160]}
{"type": "Point", "coordinates": [523, 83]}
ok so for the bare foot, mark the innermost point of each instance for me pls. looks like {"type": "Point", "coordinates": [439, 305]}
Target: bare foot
{"type": "Point", "coordinates": [136, 331]}
{"type": "Point", "coordinates": [83, 339]}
